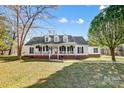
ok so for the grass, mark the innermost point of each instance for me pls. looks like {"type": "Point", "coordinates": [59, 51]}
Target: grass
{"type": "Point", "coordinates": [105, 59]}
{"type": "Point", "coordinates": [16, 74]}
{"type": "Point", "coordinates": [31, 72]}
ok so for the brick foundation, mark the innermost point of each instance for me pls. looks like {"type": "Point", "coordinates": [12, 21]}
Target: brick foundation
{"type": "Point", "coordinates": [64, 56]}
{"type": "Point", "coordinates": [60, 56]}
{"type": "Point", "coordinates": [94, 55]}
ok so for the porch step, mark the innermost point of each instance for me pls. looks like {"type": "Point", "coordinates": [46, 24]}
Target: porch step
{"type": "Point", "coordinates": [53, 57]}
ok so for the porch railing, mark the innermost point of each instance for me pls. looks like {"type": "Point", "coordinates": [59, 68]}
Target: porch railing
{"type": "Point", "coordinates": [60, 52]}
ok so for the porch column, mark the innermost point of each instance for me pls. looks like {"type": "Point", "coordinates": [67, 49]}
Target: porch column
{"type": "Point", "coordinates": [49, 51]}
{"type": "Point", "coordinates": [58, 53]}
{"type": "Point", "coordinates": [75, 50]}
{"type": "Point", "coordinates": [45, 49]}
{"type": "Point", "coordinates": [58, 49]}
{"type": "Point", "coordinates": [42, 50]}
{"type": "Point", "coordinates": [66, 49]}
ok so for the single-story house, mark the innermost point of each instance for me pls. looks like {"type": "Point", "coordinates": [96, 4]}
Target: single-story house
{"type": "Point", "coordinates": [60, 47]}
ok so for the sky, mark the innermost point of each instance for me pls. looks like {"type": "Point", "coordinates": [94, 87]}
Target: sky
{"type": "Point", "coordinates": [70, 19]}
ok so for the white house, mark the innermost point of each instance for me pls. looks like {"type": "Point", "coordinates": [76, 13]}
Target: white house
{"type": "Point", "coordinates": [60, 47]}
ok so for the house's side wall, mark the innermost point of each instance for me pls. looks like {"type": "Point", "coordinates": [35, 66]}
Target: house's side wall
{"type": "Point", "coordinates": [26, 50]}
{"type": "Point", "coordinates": [85, 50]}
{"type": "Point", "coordinates": [91, 51]}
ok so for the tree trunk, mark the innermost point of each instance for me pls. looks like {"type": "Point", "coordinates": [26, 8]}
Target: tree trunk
{"type": "Point", "coordinates": [19, 53]}
{"type": "Point", "coordinates": [2, 52]}
{"type": "Point", "coordinates": [112, 50]}
{"type": "Point", "coordinates": [10, 50]}
{"type": "Point", "coordinates": [17, 26]}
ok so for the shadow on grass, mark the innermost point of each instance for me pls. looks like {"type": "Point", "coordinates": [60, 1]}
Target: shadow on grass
{"type": "Point", "coordinates": [4, 59]}
{"type": "Point", "coordinates": [30, 59]}
{"type": "Point", "coordinates": [8, 58]}
{"type": "Point", "coordinates": [96, 61]}
{"type": "Point", "coordinates": [80, 75]}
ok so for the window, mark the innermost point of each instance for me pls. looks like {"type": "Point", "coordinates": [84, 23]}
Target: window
{"type": "Point", "coordinates": [65, 38]}
{"type": "Point", "coordinates": [80, 50]}
{"type": "Point", "coordinates": [47, 39]}
{"type": "Point", "coordinates": [63, 48]}
{"type": "Point", "coordinates": [31, 50]}
{"type": "Point", "coordinates": [56, 39]}
{"type": "Point", "coordinates": [68, 49]}
{"type": "Point", "coordinates": [95, 50]}
{"type": "Point", "coordinates": [43, 48]}
{"type": "Point", "coordinates": [71, 48]}
{"type": "Point", "coordinates": [40, 48]}
{"type": "Point", "coordinates": [47, 48]}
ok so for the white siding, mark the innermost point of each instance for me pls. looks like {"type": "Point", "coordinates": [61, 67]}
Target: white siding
{"type": "Point", "coordinates": [26, 50]}
{"type": "Point", "coordinates": [91, 50]}
{"type": "Point", "coordinates": [85, 49]}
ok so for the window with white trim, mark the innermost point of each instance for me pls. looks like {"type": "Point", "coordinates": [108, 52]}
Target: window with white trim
{"type": "Point", "coordinates": [56, 39]}
{"type": "Point", "coordinates": [95, 50]}
{"type": "Point", "coordinates": [65, 38]}
{"type": "Point", "coordinates": [47, 39]}
{"type": "Point", "coordinates": [80, 50]}
{"type": "Point", "coordinates": [47, 48]}
{"type": "Point", "coordinates": [31, 50]}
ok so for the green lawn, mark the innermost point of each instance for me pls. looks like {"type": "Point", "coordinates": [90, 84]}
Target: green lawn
{"type": "Point", "coordinates": [31, 72]}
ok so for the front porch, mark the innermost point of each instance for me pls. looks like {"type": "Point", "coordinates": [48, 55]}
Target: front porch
{"type": "Point", "coordinates": [55, 50]}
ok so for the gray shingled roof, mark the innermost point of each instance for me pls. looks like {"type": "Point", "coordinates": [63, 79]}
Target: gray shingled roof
{"type": "Point", "coordinates": [41, 40]}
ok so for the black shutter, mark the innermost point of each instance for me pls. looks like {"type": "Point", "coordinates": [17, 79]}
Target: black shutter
{"type": "Point", "coordinates": [78, 49]}
{"type": "Point", "coordinates": [47, 48]}
{"type": "Point", "coordinates": [60, 49]}
{"type": "Point", "coordinates": [30, 50]}
{"type": "Point", "coordinates": [82, 50]}
{"type": "Point", "coordinates": [67, 48]}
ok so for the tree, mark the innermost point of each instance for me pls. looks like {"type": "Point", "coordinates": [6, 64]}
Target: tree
{"type": "Point", "coordinates": [107, 28]}
{"type": "Point", "coordinates": [24, 18]}
{"type": "Point", "coordinates": [5, 38]}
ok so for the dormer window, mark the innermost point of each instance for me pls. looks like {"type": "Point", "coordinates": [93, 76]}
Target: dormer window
{"type": "Point", "coordinates": [47, 39]}
{"type": "Point", "coordinates": [65, 38]}
{"type": "Point", "coordinates": [56, 39]}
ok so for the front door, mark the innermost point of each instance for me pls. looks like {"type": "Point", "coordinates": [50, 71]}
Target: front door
{"type": "Point", "coordinates": [55, 52]}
